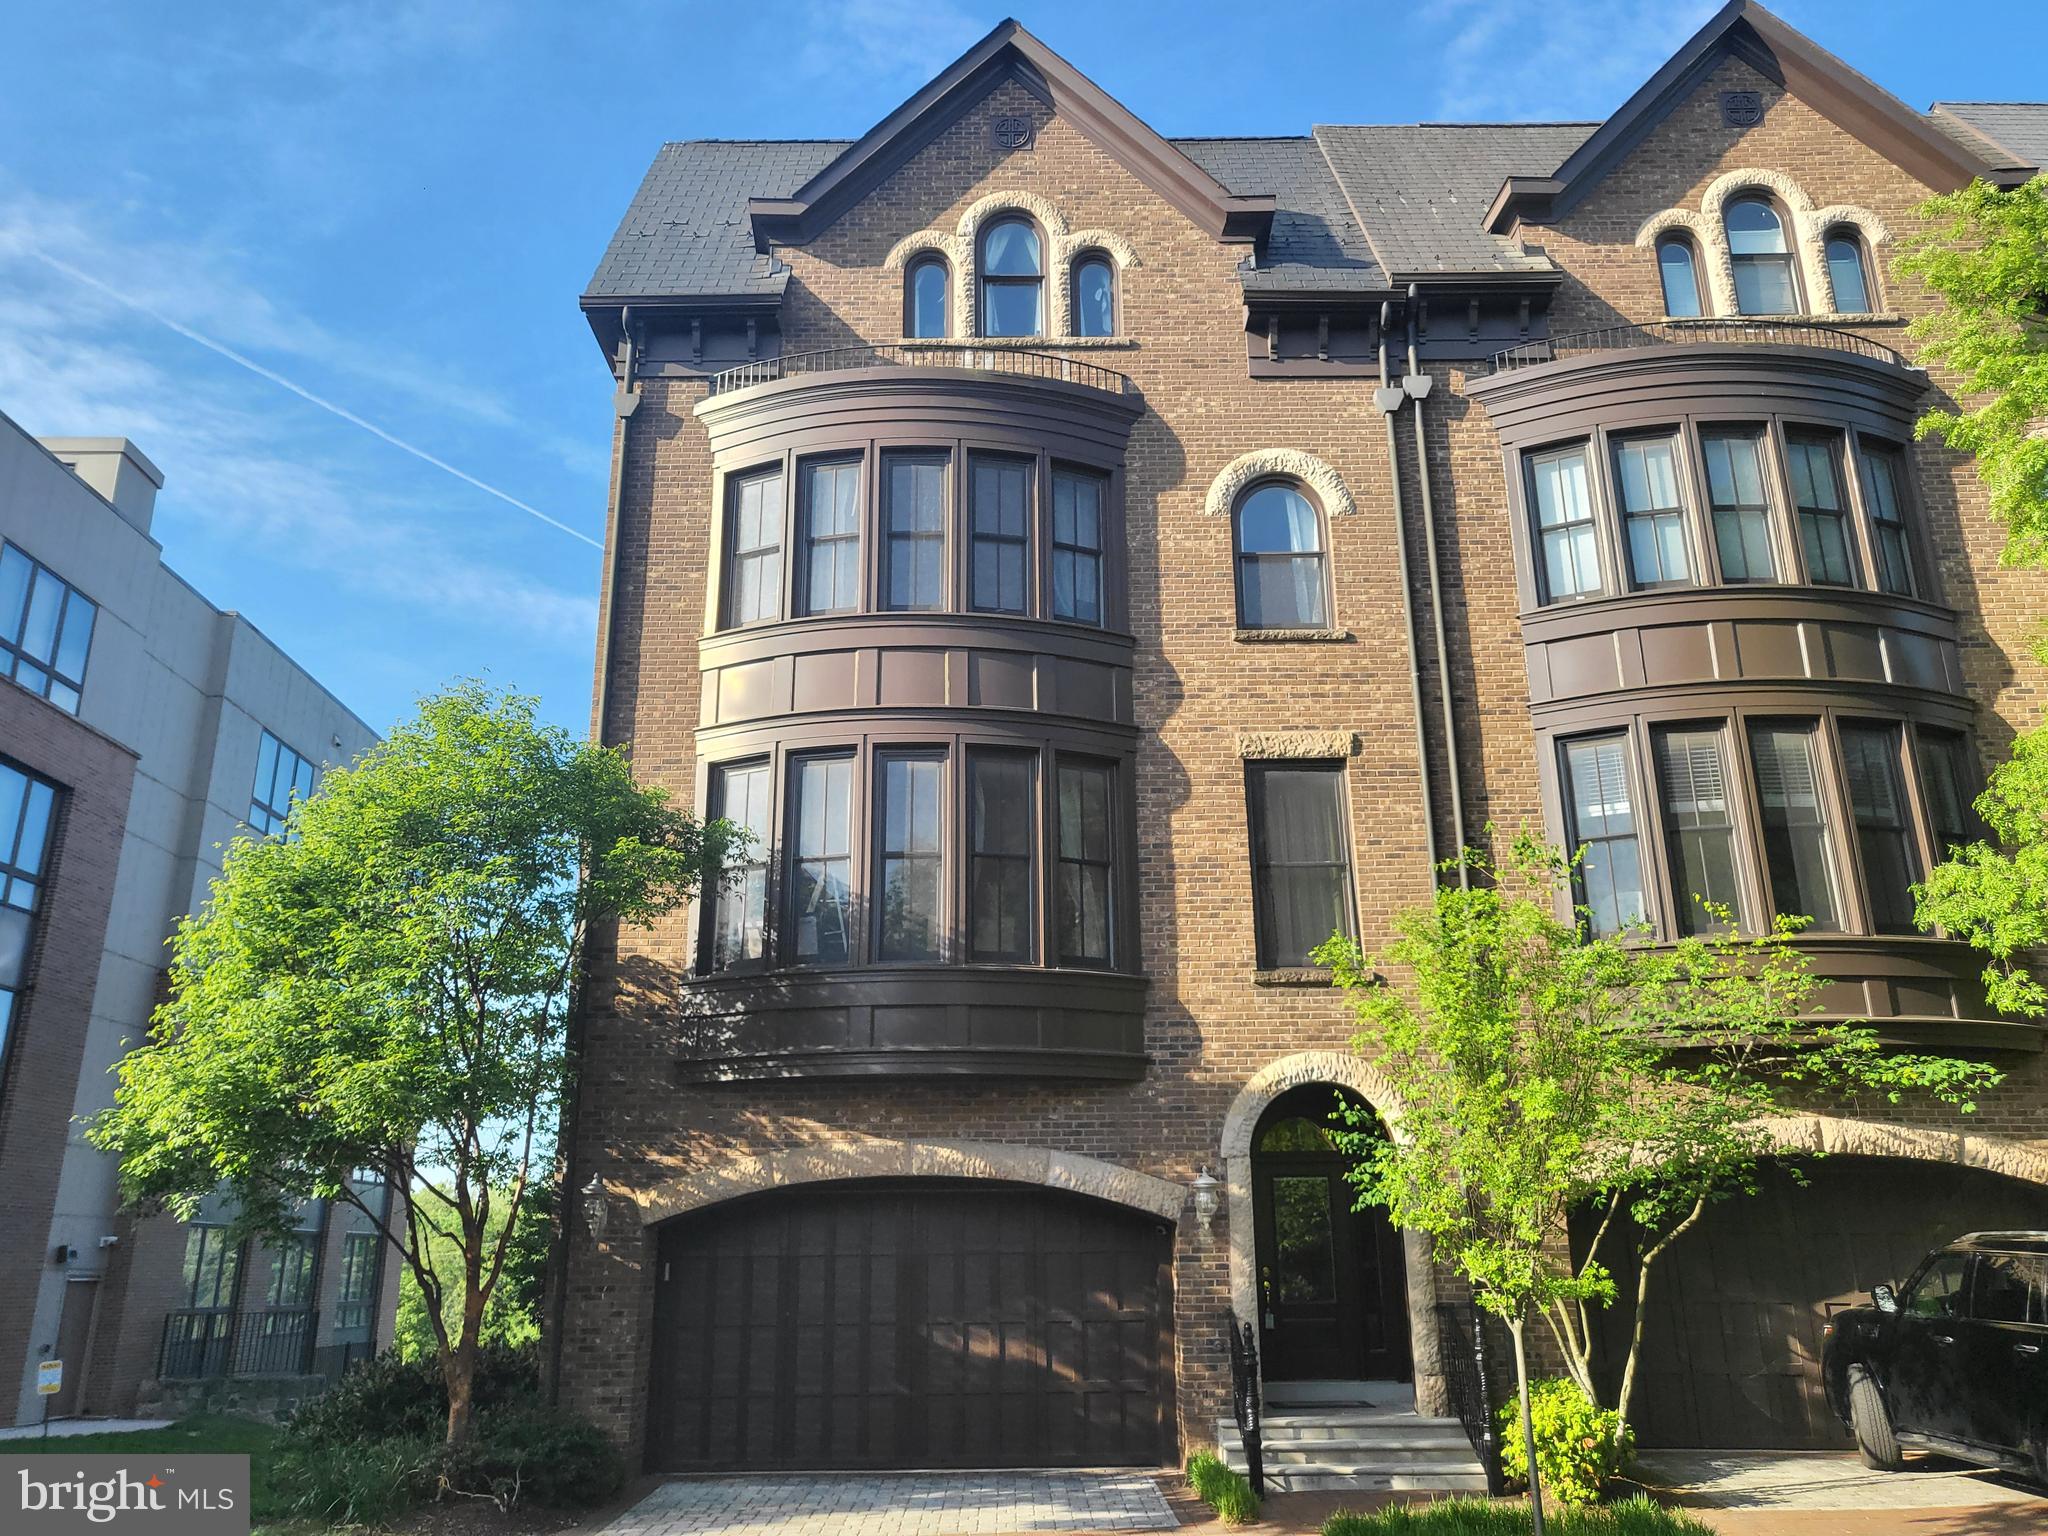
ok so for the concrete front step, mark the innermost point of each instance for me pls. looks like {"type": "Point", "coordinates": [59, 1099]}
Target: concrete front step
{"type": "Point", "coordinates": [1336, 1479]}
{"type": "Point", "coordinates": [1298, 1453]}
{"type": "Point", "coordinates": [1404, 1428]}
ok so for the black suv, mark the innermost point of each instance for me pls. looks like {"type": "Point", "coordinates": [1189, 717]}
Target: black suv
{"type": "Point", "coordinates": [1956, 1361]}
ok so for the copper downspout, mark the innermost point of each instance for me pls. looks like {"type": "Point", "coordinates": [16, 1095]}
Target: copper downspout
{"type": "Point", "coordinates": [1388, 398]}
{"type": "Point", "coordinates": [1416, 387]}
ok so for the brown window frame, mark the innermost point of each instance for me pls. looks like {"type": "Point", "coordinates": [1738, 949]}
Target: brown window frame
{"type": "Point", "coordinates": [763, 855]}
{"type": "Point", "coordinates": [1239, 558]}
{"type": "Point", "coordinates": [730, 554]}
{"type": "Point", "coordinates": [920, 263]}
{"type": "Point", "coordinates": [1801, 300]}
{"type": "Point", "coordinates": [1095, 256]}
{"type": "Point", "coordinates": [984, 280]}
{"type": "Point", "coordinates": [1873, 303]}
{"type": "Point", "coordinates": [1338, 772]}
{"type": "Point", "coordinates": [1691, 247]}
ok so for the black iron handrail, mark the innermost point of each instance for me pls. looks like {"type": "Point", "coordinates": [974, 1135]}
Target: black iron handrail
{"type": "Point", "coordinates": [1673, 333]}
{"type": "Point", "coordinates": [203, 1343]}
{"type": "Point", "coordinates": [1026, 364]}
{"type": "Point", "coordinates": [1245, 1405]}
{"type": "Point", "coordinates": [1470, 1378]}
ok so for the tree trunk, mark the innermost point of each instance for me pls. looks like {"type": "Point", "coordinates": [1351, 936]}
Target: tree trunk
{"type": "Point", "coordinates": [1635, 1338]}
{"type": "Point", "coordinates": [1528, 1431]}
{"type": "Point", "coordinates": [459, 1370]}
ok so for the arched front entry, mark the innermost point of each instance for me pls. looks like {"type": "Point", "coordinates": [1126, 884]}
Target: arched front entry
{"type": "Point", "coordinates": [1332, 1288]}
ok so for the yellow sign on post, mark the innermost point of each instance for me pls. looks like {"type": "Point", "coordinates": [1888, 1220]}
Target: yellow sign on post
{"type": "Point", "coordinates": [49, 1377]}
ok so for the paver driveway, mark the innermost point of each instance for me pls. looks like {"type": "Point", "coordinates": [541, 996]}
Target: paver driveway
{"type": "Point", "coordinates": [1823, 1480]}
{"type": "Point", "coordinates": [900, 1504]}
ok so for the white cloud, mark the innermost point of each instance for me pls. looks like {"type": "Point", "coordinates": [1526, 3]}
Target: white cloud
{"type": "Point", "coordinates": [1502, 61]}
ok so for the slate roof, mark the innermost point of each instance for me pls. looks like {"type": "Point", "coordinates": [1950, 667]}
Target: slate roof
{"type": "Point", "coordinates": [1316, 242]}
{"type": "Point", "coordinates": [2020, 128]}
{"type": "Point", "coordinates": [686, 231]}
{"type": "Point", "coordinates": [1422, 189]}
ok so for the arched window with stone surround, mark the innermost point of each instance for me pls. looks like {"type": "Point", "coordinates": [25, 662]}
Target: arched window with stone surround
{"type": "Point", "coordinates": [1282, 575]}
{"type": "Point", "coordinates": [925, 288]}
{"type": "Point", "coordinates": [1766, 281]}
{"type": "Point", "coordinates": [1094, 294]}
{"type": "Point", "coordinates": [1849, 271]}
{"type": "Point", "coordinates": [1678, 269]}
{"type": "Point", "coordinates": [1012, 271]}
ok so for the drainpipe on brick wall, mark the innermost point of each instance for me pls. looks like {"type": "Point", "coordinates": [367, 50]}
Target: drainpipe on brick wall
{"type": "Point", "coordinates": [1416, 387]}
{"type": "Point", "coordinates": [625, 401]}
{"type": "Point", "coordinates": [1388, 398]}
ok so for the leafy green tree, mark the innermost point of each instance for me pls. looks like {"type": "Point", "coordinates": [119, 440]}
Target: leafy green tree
{"type": "Point", "coordinates": [513, 1312]}
{"type": "Point", "coordinates": [386, 986]}
{"type": "Point", "coordinates": [1984, 252]}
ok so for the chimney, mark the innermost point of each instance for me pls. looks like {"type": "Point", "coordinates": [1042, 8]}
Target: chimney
{"type": "Point", "coordinates": [115, 468]}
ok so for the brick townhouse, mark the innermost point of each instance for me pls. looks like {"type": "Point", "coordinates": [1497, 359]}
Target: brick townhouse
{"type": "Point", "coordinates": [141, 729]}
{"type": "Point", "coordinates": [1098, 566]}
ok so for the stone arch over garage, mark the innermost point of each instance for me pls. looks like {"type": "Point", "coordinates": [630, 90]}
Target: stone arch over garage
{"type": "Point", "coordinates": [838, 1161]}
{"type": "Point", "coordinates": [1831, 1135]}
{"type": "Point", "coordinates": [1340, 1069]}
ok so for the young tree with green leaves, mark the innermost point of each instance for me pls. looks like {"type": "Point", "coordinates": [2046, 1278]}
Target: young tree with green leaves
{"type": "Point", "coordinates": [1984, 253]}
{"type": "Point", "coordinates": [386, 986]}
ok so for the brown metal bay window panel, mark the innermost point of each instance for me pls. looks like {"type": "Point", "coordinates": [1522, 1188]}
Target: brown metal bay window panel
{"type": "Point", "coordinates": [1001, 839]}
{"type": "Point", "coordinates": [1301, 860]}
{"type": "Point", "coordinates": [1884, 834]}
{"type": "Point", "coordinates": [1797, 849]}
{"type": "Point", "coordinates": [1602, 821]}
{"type": "Point", "coordinates": [1699, 824]}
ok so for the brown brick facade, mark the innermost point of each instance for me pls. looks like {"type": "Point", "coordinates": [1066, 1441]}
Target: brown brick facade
{"type": "Point", "coordinates": [1210, 1026]}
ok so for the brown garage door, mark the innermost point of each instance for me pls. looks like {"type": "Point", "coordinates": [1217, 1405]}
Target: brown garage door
{"type": "Point", "coordinates": [926, 1324]}
{"type": "Point", "coordinates": [1732, 1343]}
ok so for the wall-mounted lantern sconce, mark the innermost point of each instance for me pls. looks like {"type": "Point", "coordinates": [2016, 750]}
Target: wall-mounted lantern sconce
{"type": "Point", "coordinates": [1208, 1200]}
{"type": "Point", "coordinates": [595, 1209]}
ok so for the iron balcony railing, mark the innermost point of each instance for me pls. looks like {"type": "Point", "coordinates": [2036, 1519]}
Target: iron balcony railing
{"type": "Point", "coordinates": [1474, 1382]}
{"type": "Point", "coordinates": [1022, 364]}
{"type": "Point", "coordinates": [203, 1343]}
{"type": "Point", "coordinates": [1674, 333]}
{"type": "Point", "coordinates": [1246, 1404]}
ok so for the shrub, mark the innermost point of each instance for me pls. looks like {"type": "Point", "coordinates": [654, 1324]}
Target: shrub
{"type": "Point", "coordinates": [386, 1398]}
{"type": "Point", "coordinates": [534, 1453]}
{"type": "Point", "coordinates": [1225, 1491]}
{"type": "Point", "coordinates": [1579, 1444]}
{"type": "Point", "coordinates": [366, 1484]}
{"type": "Point", "coordinates": [1475, 1517]}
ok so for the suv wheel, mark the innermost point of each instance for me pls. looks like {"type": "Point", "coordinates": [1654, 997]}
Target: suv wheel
{"type": "Point", "coordinates": [1871, 1423]}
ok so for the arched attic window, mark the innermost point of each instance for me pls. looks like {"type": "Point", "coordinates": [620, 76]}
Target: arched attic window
{"type": "Point", "coordinates": [1678, 268]}
{"type": "Point", "coordinates": [1282, 577]}
{"type": "Point", "coordinates": [925, 288]}
{"type": "Point", "coordinates": [1094, 294]}
{"type": "Point", "coordinates": [1012, 270]}
{"type": "Point", "coordinates": [1849, 271]}
{"type": "Point", "coordinates": [1765, 283]}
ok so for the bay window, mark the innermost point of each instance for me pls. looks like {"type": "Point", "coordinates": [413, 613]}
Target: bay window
{"type": "Point", "coordinates": [1699, 824]}
{"type": "Point", "coordinates": [753, 562]}
{"type": "Point", "coordinates": [1570, 553]}
{"type": "Point", "coordinates": [1652, 515]}
{"type": "Point", "coordinates": [1000, 841]}
{"type": "Point", "coordinates": [821, 861]}
{"type": "Point", "coordinates": [1741, 512]}
{"type": "Point", "coordinates": [1601, 826]}
{"type": "Point", "coordinates": [1815, 467]}
{"type": "Point", "coordinates": [828, 537]}
{"type": "Point", "coordinates": [1884, 835]}
{"type": "Point", "coordinates": [999, 538]}
{"type": "Point", "coordinates": [1797, 847]}
{"type": "Point", "coordinates": [914, 548]}
{"type": "Point", "coordinates": [909, 856]}
{"type": "Point", "coordinates": [740, 794]}
{"type": "Point", "coordinates": [1085, 871]}
{"type": "Point", "coordinates": [1077, 546]}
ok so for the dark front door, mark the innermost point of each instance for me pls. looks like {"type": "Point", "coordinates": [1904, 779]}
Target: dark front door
{"type": "Point", "coordinates": [912, 1324]}
{"type": "Point", "coordinates": [1331, 1284]}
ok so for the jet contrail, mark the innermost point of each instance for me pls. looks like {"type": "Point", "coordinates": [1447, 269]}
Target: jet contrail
{"type": "Point", "coordinates": [302, 392]}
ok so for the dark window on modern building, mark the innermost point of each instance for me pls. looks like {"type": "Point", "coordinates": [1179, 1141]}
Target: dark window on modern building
{"type": "Point", "coordinates": [356, 1294]}
{"type": "Point", "coordinates": [820, 882]}
{"type": "Point", "coordinates": [213, 1265]}
{"type": "Point", "coordinates": [1678, 270]}
{"type": "Point", "coordinates": [1742, 514]}
{"type": "Point", "coordinates": [1699, 824]}
{"type": "Point", "coordinates": [295, 1260]}
{"type": "Point", "coordinates": [1280, 574]}
{"type": "Point", "coordinates": [1568, 549]}
{"type": "Point", "coordinates": [1946, 774]}
{"type": "Point", "coordinates": [1795, 826]}
{"type": "Point", "coordinates": [1301, 860]}
{"type": "Point", "coordinates": [1077, 546]}
{"type": "Point", "coordinates": [999, 538]}
{"type": "Point", "coordinates": [45, 629]}
{"type": "Point", "coordinates": [740, 794]}
{"type": "Point", "coordinates": [1094, 296]}
{"type": "Point", "coordinates": [1815, 465]}
{"type": "Point", "coordinates": [925, 298]}
{"type": "Point", "coordinates": [1883, 472]}
{"type": "Point", "coordinates": [914, 550]}
{"type": "Point", "coordinates": [1601, 819]}
{"type": "Point", "coordinates": [1085, 876]}
{"type": "Point", "coordinates": [1012, 279]}
{"type": "Point", "coordinates": [1764, 280]}
{"type": "Point", "coordinates": [828, 538]}
{"type": "Point", "coordinates": [27, 807]}
{"type": "Point", "coordinates": [909, 856]}
{"type": "Point", "coordinates": [1847, 274]}
{"type": "Point", "coordinates": [1652, 514]}
{"type": "Point", "coordinates": [1884, 835]}
{"type": "Point", "coordinates": [753, 562]}
{"type": "Point", "coordinates": [1000, 840]}
{"type": "Point", "coordinates": [282, 777]}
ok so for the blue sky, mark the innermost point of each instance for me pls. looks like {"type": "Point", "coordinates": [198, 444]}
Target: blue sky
{"type": "Point", "coordinates": [394, 205]}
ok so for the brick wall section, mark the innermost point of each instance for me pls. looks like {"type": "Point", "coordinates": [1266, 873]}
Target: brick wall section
{"type": "Point", "coordinates": [47, 1040]}
{"type": "Point", "coordinates": [1208, 1027]}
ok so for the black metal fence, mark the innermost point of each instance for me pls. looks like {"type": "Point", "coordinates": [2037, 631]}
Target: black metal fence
{"type": "Point", "coordinates": [202, 1343]}
{"type": "Point", "coordinates": [1478, 1386]}
{"type": "Point", "coordinates": [1672, 333]}
{"type": "Point", "coordinates": [1245, 1404]}
{"type": "Point", "coordinates": [1023, 363]}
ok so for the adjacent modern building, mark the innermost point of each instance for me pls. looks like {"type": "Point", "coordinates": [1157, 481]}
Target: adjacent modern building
{"type": "Point", "coordinates": [1096, 567]}
{"type": "Point", "coordinates": [141, 730]}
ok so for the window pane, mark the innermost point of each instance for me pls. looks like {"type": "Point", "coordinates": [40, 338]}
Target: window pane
{"type": "Point", "coordinates": [1094, 300]}
{"type": "Point", "coordinates": [1763, 286]}
{"type": "Point", "coordinates": [282, 776]}
{"type": "Point", "coordinates": [1011, 250]}
{"type": "Point", "coordinates": [14, 574]}
{"type": "Point", "coordinates": [1795, 823]}
{"type": "Point", "coordinates": [830, 563]}
{"type": "Point", "coordinates": [1845, 273]}
{"type": "Point", "coordinates": [999, 558]}
{"type": "Point", "coordinates": [1887, 520]}
{"type": "Point", "coordinates": [1564, 521]}
{"type": "Point", "coordinates": [1082, 895]}
{"type": "Point", "coordinates": [740, 915]}
{"type": "Point", "coordinates": [15, 929]}
{"type": "Point", "coordinates": [1877, 799]}
{"type": "Point", "coordinates": [1304, 1243]}
{"type": "Point", "coordinates": [914, 551]}
{"type": "Point", "coordinates": [1301, 860]}
{"type": "Point", "coordinates": [1681, 286]}
{"type": "Point", "coordinates": [1823, 518]}
{"type": "Point", "coordinates": [1010, 309]}
{"type": "Point", "coordinates": [1647, 471]}
{"type": "Point", "coordinates": [928, 299]}
{"type": "Point", "coordinates": [1754, 228]}
{"type": "Point", "coordinates": [821, 861]}
{"type": "Point", "coordinates": [1276, 519]}
{"type": "Point", "coordinates": [909, 857]}
{"type": "Point", "coordinates": [1076, 547]}
{"type": "Point", "coordinates": [1735, 491]}
{"type": "Point", "coordinates": [1699, 827]}
{"type": "Point", "coordinates": [45, 607]}
{"type": "Point", "coordinates": [1945, 771]}
{"type": "Point", "coordinates": [1281, 591]}
{"type": "Point", "coordinates": [2008, 1288]}
{"type": "Point", "coordinates": [754, 566]}
{"type": "Point", "coordinates": [75, 639]}
{"type": "Point", "coordinates": [1602, 821]}
{"type": "Point", "coordinates": [999, 847]}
